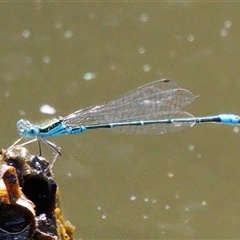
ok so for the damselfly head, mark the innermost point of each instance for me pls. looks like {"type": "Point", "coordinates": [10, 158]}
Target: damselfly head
{"type": "Point", "coordinates": [26, 129]}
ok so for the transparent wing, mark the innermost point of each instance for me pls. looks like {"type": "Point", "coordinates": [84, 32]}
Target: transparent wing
{"type": "Point", "coordinates": [161, 99]}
